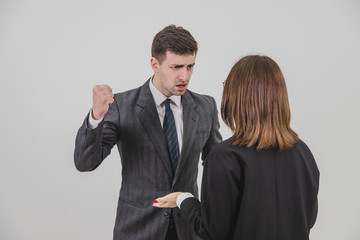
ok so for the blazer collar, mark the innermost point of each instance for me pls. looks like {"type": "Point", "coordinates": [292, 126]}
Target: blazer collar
{"type": "Point", "coordinates": [149, 118]}
{"type": "Point", "coordinates": [191, 121]}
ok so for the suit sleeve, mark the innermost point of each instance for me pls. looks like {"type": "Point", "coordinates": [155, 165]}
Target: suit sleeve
{"type": "Point", "coordinates": [92, 146]}
{"type": "Point", "coordinates": [215, 136]}
{"type": "Point", "coordinates": [215, 216]}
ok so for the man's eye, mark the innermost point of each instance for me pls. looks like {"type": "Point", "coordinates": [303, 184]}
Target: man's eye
{"type": "Point", "coordinates": [190, 66]}
{"type": "Point", "coordinates": [175, 67]}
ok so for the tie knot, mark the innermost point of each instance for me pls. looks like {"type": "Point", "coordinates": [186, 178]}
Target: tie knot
{"type": "Point", "coordinates": [167, 103]}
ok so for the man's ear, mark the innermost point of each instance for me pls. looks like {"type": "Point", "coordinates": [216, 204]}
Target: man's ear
{"type": "Point", "coordinates": [154, 64]}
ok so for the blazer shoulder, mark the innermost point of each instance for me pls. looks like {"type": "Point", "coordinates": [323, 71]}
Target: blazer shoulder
{"type": "Point", "coordinates": [202, 98]}
{"type": "Point", "coordinates": [140, 95]}
{"type": "Point", "coordinates": [301, 147]}
{"type": "Point", "coordinates": [226, 158]}
{"type": "Point", "coordinates": [132, 93]}
{"type": "Point", "coordinates": [302, 151]}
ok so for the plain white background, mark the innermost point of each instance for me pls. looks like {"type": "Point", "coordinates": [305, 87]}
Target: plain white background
{"type": "Point", "coordinates": [53, 52]}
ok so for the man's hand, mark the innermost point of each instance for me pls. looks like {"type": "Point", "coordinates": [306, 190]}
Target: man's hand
{"type": "Point", "coordinates": [102, 99]}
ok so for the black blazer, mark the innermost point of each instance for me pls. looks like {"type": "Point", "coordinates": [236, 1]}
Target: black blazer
{"type": "Point", "coordinates": [252, 195]}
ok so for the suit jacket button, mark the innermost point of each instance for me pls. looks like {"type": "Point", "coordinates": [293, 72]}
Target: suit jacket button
{"type": "Point", "coordinates": [167, 215]}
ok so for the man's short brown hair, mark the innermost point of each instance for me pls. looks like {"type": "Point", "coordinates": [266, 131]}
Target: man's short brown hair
{"type": "Point", "coordinates": [174, 39]}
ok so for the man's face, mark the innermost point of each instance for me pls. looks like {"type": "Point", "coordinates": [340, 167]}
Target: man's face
{"type": "Point", "coordinates": [172, 76]}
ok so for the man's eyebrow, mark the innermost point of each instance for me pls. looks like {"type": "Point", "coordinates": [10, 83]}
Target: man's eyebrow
{"type": "Point", "coordinates": [181, 65]}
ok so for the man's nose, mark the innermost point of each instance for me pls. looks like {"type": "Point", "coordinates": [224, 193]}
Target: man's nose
{"type": "Point", "coordinates": [184, 74]}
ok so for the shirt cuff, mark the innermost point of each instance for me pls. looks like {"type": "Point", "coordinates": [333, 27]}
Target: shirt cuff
{"type": "Point", "coordinates": [182, 197]}
{"type": "Point", "coordinates": [92, 122]}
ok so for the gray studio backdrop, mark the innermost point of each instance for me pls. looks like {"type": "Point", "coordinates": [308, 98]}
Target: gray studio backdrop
{"type": "Point", "coordinates": [53, 52]}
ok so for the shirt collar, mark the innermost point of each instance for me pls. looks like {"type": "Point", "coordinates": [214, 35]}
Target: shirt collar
{"type": "Point", "coordinates": [159, 98]}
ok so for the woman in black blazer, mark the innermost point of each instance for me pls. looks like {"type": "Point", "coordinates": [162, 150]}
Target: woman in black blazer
{"type": "Point", "coordinates": [262, 183]}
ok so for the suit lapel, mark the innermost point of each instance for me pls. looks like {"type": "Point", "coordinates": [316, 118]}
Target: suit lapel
{"type": "Point", "coordinates": [190, 121]}
{"type": "Point", "coordinates": [149, 118]}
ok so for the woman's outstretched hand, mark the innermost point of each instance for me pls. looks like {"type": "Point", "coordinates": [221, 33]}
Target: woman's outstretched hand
{"type": "Point", "coordinates": [168, 201]}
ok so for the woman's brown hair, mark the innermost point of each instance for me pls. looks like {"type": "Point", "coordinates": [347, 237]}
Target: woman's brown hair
{"type": "Point", "coordinates": [255, 104]}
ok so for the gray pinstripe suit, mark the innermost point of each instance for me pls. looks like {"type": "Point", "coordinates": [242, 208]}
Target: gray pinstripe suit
{"type": "Point", "coordinates": [132, 123]}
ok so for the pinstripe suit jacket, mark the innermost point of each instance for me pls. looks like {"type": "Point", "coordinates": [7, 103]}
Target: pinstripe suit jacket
{"type": "Point", "coordinates": [132, 123]}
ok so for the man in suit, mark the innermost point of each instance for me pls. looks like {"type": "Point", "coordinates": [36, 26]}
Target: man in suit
{"type": "Point", "coordinates": [160, 130]}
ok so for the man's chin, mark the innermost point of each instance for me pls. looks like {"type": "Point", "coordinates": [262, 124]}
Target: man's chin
{"type": "Point", "coordinates": [179, 93]}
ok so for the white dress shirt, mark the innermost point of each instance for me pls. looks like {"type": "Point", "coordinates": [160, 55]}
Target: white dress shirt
{"type": "Point", "coordinates": [182, 197]}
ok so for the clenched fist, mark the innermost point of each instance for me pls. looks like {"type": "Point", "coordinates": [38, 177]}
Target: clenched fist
{"type": "Point", "coordinates": [102, 99]}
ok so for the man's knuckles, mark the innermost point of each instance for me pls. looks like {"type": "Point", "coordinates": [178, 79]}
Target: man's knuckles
{"type": "Point", "coordinates": [102, 88]}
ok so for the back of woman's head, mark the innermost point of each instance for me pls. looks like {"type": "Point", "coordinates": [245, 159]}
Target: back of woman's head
{"type": "Point", "coordinates": [255, 104]}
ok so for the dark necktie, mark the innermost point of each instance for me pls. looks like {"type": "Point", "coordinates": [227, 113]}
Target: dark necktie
{"type": "Point", "coordinates": [171, 135]}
